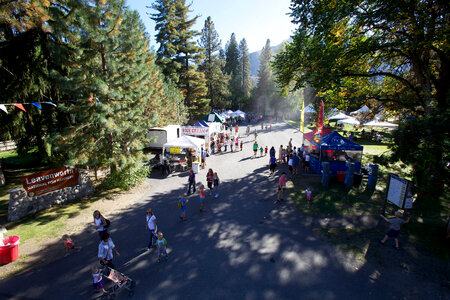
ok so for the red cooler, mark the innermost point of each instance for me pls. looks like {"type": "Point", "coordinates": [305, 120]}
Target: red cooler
{"type": "Point", "coordinates": [10, 251]}
{"type": "Point", "coordinates": [340, 176]}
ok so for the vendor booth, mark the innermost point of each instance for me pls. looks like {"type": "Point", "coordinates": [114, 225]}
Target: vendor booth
{"type": "Point", "coordinates": [202, 130]}
{"type": "Point", "coordinates": [214, 117]}
{"type": "Point", "coordinates": [183, 151]}
{"type": "Point", "coordinates": [337, 151]}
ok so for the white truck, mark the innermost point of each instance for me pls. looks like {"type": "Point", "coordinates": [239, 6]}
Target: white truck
{"type": "Point", "coordinates": [161, 135]}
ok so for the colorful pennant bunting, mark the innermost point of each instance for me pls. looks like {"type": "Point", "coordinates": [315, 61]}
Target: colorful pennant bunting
{"type": "Point", "coordinates": [20, 106]}
{"type": "Point", "coordinates": [37, 105]}
{"type": "Point", "coordinates": [3, 107]}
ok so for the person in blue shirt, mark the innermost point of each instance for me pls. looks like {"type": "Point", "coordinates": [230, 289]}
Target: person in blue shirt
{"type": "Point", "coordinates": [295, 163]}
{"type": "Point", "coordinates": [272, 165]}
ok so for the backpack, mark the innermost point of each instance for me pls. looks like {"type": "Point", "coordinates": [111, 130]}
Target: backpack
{"type": "Point", "coordinates": [107, 223]}
{"type": "Point", "coordinates": [179, 204]}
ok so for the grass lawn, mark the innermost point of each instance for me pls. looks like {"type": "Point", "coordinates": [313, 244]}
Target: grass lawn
{"type": "Point", "coordinates": [426, 229]}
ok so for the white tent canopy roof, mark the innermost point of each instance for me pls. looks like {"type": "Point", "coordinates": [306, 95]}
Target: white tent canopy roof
{"type": "Point", "coordinates": [349, 121]}
{"type": "Point", "coordinates": [362, 109]}
{"type": "Point", "coordinates": [375, 123]}
{"type": "Point", "coordinates": [310, 109]}
{"type": "Point", "coordinates": [186, 141]}
{"type": "Point", "coordinates": [339, 116]}
{"type": "Point", "coordinates": [238, 113]}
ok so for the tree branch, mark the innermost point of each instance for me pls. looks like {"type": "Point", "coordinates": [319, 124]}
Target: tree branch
{"type": "Point", "coordinates": [387, 74]}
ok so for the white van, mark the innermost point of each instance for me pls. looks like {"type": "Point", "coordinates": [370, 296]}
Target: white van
{"type": "Point", "coordinates": [161, 135]}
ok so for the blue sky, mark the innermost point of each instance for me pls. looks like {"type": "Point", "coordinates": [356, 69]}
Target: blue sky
{"type": "Point", "coordinates": [254, 20]}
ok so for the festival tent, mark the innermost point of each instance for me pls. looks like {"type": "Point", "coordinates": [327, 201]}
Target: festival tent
{"type": "Point", "coordinates": [201, 123]}
{"type": "Point", "coordinates": [183, 142]}
{"type": "Point", "coordinates": [229, 112]}
{"type": "Point", "coordinates": [337, 151]}
{"type": "Point", "coordinates": [349, 121]}
{"type": "Point", "coordinates": [339, 116]}
{"type": "Point", "coordinates": [213, 117]}
{"type": "Point", "coordinates": [237, 114]}
{"type": "Point", "coordinates": [362, 109]}
{"type": "Point", "coordinates": [310, 109]}
{"type": "Point", "coordinates": [225, 115]}
{"type": "Point", "coordinates": [375, 123]}
{"type": "Point", "coordinates": [310, 135]}
{"type": "Point", "coordinates": [332, 112]}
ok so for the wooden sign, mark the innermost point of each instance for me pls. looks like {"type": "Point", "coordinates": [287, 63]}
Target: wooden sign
{"type": "Point", "coordinates": [49, 181]}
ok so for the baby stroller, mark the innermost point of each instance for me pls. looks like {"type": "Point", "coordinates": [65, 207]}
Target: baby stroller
{"type": "Point", "coordinates": [120, 281]}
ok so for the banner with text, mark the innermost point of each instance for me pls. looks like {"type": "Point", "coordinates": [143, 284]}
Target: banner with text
{"type": "Point", "coordinates": [194, 130]}
{"type": "Point", "coordinates": [49, 181]}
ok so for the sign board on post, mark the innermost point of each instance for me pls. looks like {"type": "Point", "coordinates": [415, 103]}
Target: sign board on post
{"type": "Point", "coordinates": [398, 190]}
{"type": "Point", "coordinates": [49, 181]}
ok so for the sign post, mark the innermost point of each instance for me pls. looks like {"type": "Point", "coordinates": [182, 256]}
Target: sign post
{"type": "Point", "coordinates": [398, 192]}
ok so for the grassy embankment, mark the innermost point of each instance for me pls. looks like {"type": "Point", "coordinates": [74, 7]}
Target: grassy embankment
{"type": "Point", "coordinates": [44, 225]}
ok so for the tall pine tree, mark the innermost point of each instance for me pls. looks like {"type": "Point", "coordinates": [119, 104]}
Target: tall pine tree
{"type": "Point", "coordinates": [216, 80]}
{"type": "Point", "coordinates": [265, 93]}
{"type": "Point", "coordinates": [121, 92]}
{"type": "Point", "coordinates": [232, 68]}
{"type": "Point", "coordinates": [246, 83]}
{"type": "Point", "coordinates": [167, 38]}
{"type": "Point", "coordinates": [180, 54]}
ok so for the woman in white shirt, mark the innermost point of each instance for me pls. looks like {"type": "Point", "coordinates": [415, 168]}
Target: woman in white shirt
{"type": "Point", "coordinates": [100, 223]}
{"type": "Point", "coordinates": [150, 225]}
{"type": "Point", "coordinates": [105, 251]}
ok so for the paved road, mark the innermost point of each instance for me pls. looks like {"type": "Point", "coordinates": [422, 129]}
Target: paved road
{"type": "Point", "coordinates": [243, 247]}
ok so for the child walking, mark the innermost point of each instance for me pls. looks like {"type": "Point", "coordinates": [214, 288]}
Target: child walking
{"type": "Point", "coordinates": [202, 197]}
{"type": "Point", "coordinates": [70, 245]}
{"type": "Point", "coordinates": [266, 150]}
{"type": "Point", "coordinates": [308, 195]}
{"type": "Point", "coordinates": [395, 228]}
{"type": "Point", "coordinates": [261, 149]}
{"type": "Point", "coordinates": [162, 247]}
{"type": "Point", "coordinates": [98, 280]}
{"type": "Point", "coordinates": [216, 185]}
{"type": "Point", "coordinates": [182, 205]}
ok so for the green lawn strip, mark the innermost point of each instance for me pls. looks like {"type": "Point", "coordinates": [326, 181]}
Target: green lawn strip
{"type": "Point", "coordinates": [29, 159]}
{"type": "Point", "coordinates": [51, 222]}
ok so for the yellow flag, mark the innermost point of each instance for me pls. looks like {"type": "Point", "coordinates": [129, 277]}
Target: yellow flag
{"type": "Point", "coordinates": [302, 118]}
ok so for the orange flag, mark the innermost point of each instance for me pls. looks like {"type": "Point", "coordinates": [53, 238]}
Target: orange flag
{"type": "Point", "coordinates": [20, 106]}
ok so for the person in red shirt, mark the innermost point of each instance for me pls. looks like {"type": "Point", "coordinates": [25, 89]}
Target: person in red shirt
{"type": "Point", "coordinates": [70, 245]}
{"type": "Point", "coordinates": [210, 180]}
{"type": "Point", "coordinates": [281, 187]}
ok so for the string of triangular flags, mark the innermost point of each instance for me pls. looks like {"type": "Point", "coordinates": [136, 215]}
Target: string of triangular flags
{"type": "Point", "coordinates": [38, 104]}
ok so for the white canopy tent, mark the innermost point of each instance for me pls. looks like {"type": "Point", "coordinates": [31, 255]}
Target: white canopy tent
{"type": "Point", "coordinates": [362, 109]}
{"type": "Point", "coordinates": [225, 115]}
{"type": "Point", "coordinates": [310, 109]}
{"type": "Point", "coordinates": [184, 142]}
{"type": "Point", "coordinates": [375, 123]}
{"type": "Point", "coordinates": [339, 116]}
{"type": "Point", "coordinates": [237, 114]}
{"type": "Point", "coordinates": [349, 121]}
